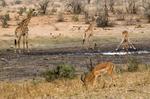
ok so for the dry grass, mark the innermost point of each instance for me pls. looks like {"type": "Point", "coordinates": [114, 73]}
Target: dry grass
{"type": "Point", "coordinates": [127, 86]}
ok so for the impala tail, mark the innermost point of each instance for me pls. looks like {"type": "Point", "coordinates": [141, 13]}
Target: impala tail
{"type": "Point", "coordinates": [113, 66]}
{"type": "Point", "coordinates": [82, 78]}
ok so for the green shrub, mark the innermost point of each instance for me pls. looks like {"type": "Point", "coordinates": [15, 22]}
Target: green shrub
{"type": "Point", "coordinates": [65, 71]}
{"type": "Point", "coordinates": [22, 10]}
{"type": "Point", "coordinates": [75, 18]}
{"type": "Point", "coordinates": [147, 13]}
{"type": "Point", "coordinates": [102, 21]}
{"type": "Point", "coordinates": [7, 16]}
{"type": "Point", "coordinates": [61, 71]}
{"type": "Point", "coordinates": [18, 1]}
{"type": "Point", "coordinates": [50, 75]}
{"type": "Point", "coordinates": [43, 5]}
{"type": "Point", "coordinates": [76, 6]}
{"type": "Point", "coordinates": [3, 3]}
{"type": "Point", "coordinates": [133, 64]}
{"type": "Point", "coordinates": [60, 17]}
{"type": "Point", "coordinates": [147, 10]}
{"type": "Point", "coordinates": [4, 19]}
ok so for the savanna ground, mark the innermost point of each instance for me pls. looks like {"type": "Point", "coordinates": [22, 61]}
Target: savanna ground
{"type": "Point", "coordinates": [20, 74]}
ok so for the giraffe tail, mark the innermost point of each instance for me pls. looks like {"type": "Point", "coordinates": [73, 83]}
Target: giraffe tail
{"type": "Point", "coordinates": [15, 42]}
{"type": "Point", "coordinates": [83, 41]}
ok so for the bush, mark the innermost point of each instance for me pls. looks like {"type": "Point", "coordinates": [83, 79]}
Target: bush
{"type": "Point", "coordinates": [102, 21]}
{"type": "Point", "coordinates": [146, 6]}
{"type": "Point", "coordinates": [65, 71]}
{"type": "Point", "coordinates": [133, 64]}
{"type": "Point", "coordinates": [147, 14]}
{"type": "Point", "coordinates": [4, 19]}
{"type": "Point", "coordinates": [120, 14]}
{"type": "Point", "coordinates": [22, 10]}
{"type": "Point", "coordinates": [50, 75]}
{"type": "Point", "coordinates": [18, 1]}
{"type": "Point", "coordinates": [61, 71]}
{"type": "Point", "coordinates": [3, 3]}
{"type": "Point", "coordinates": [76, 6]}
{"type": "Point", "coordinates": [7, 16]}
{"type": "Point", "coordinates": [132, 7]}
{"type": "Point", "coordinates": [75, 18]}
{"type": "Point", "coordinates": [43, 5]}
{"type": "Point", "coordinates": [60, 17]}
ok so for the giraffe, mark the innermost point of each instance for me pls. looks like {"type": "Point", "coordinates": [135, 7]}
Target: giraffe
{"type": "Point", "coordinates": [21, 32]}
{"type": "Point", "coordinates": [125, 43]}
{"type": "Point", "coordinates": [88, 34]}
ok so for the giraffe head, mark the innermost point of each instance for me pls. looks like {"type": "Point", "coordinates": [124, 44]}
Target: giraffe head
{"type": "Point", "coordinates": [30, 13]}
{"type": "Point", "coordinates": [125, 33]}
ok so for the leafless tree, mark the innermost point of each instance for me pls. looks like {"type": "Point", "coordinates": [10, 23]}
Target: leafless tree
{"type": "Point", "coordinates": [43, 5]}
{"type": "Point", "coordinates": [111, 5]}
{"type": "Point", "coordinates": [146, 6]}
{"type": "Point", "coordinates": [3, 3]}
{"type": "Point", "coordinates": [131, 6]}
{"type": "Point", "coordinates": [76, 6]}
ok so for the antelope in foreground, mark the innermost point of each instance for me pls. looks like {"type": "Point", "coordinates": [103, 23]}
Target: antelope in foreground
{"type": "Point", "coordinates": [95, 72]}
{"type": "Point", "coordinates": [125, 43]}
{"type": "Point", "coordinates": [21, 32]}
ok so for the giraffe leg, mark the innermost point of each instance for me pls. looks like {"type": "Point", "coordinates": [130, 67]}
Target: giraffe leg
{"type": "Point", "coordinates": [84, 40]}
{"type": "Point", "coordinates": [119, 45]}
{"type": "Point", "coordinates": [26, 39]}
{"type": "Point", "coordinates": [132, 46]}
{"type": "Point", "coordinates": [91, 42]}
{"type": "Point", "coordinates": [16, 44]}
{"type": "Point", "coordinates": [24, 42]}
{"type": "Point", "coordinates": [88, 42]}
{"type": "Point", "coordinates": [19, 50]}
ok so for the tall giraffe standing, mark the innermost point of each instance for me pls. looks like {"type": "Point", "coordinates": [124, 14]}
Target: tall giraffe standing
{"type": "Point", "coordinates": [88, 34]}
{"type": "Point", "coordinates": [125, 43]}
{"type": "Point", "coordinates": [21, 32]}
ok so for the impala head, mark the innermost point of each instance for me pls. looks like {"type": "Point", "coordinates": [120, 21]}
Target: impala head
{"type": "Point", "coordinates": [87, 75]}
{"type": "Point", "coordinates": [83, 78]}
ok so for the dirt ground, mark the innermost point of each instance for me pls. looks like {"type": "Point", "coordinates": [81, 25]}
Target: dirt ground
{"type": "Point", "coordinates": [46, 52]}
{"type": "Point", "coordinates": [22, 72]}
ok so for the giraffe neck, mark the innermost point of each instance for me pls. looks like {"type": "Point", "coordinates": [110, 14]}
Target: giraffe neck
{"type": "Point", "coordinates": [25, 22]}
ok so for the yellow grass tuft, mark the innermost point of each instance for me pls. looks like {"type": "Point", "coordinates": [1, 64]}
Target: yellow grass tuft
{"type": "Point", "coordinates": [127, 85]}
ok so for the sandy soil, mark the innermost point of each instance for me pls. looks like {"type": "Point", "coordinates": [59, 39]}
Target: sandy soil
{"type": "Point", "coordinates": [47, 52]}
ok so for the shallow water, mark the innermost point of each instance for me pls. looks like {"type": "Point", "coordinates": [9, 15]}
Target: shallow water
{"type": "Point", "coordinates": [125, 53]}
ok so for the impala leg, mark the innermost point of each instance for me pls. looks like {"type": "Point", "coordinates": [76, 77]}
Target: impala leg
{"type": "Point", "coordinates": [110, 72]}
{"type": "Point", "coordinates": [95, 80]}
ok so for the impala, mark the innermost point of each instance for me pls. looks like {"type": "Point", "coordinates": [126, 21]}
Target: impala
{"type": "Point", "coordinates": [98, 70]}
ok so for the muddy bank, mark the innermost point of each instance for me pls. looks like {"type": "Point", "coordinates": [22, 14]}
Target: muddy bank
{"type": "Point", "coordinates": [30, 65]}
